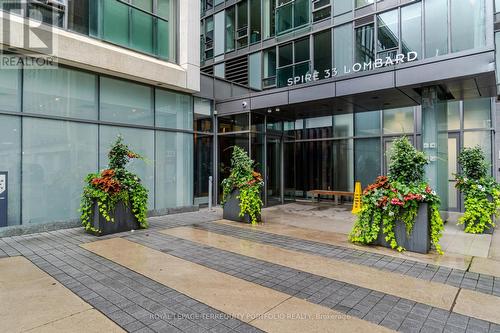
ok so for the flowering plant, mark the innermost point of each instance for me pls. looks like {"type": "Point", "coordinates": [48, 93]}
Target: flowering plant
{"type": "Point", "coordinates": [249, 182]}
{"type": "Point", "coordinates": [481, 191]}
{"type": "Point", "coordinates": [397, 197]}
{"type": "Point", "coordinates": [112, 185]}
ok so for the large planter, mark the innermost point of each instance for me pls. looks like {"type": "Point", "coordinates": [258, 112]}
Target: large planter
{"type": "Point", "coordinates": [231, 210]}
{"type": "Point", "coordinates": [419, 239]}
{"type": "Point", "coordinates": [488, 230]}
{"type": "Point", "coordinates": [124, 220]}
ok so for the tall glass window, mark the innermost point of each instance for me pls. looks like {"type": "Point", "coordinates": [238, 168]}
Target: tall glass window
{"type": "Point", "coordinates": [477, 113]}
{"type": "Point", "coordinates": [255, 17]}
{"type": "Point", "coordinates": [142, 26]}
{"type": "Point", "coordinates": [126, 102]}
{"type": "Point", "coordinates": [342, 125]}
{"type": "Point", "coordinates": [140, 141]}
{"type": "Point", "coordinates": [57, 155]}
{"type": "Point", "coordinates": [242, 23]}
{"type": "Point", "coordinates": [367, 160]}
{"type": "Point", "coordinates": [78, 16]}
{"type": "Point", "coordinates": [209, 38]}
{"type": "Point", "coordinates": [362, 3]}
{"type": "Point", "coordinates": [342, 47]}
{"type": "Point", "coordinates": [254, 70]}
{"type": "Point", "coordinates": [10, 161]}
{"type": "Point", "coordinates": [230, 29]}
{"type": "Point", "coordinates": [9, 89]}
{"type": "Point", "coordinates": [268, 18]}
{"type": "Point", "coordinates": [294, 60]}
{"type": "Point", "coordinates": [60, 92]}
{"type": "Point", "coordinates": [367, 123]}
{"type": "Point", "coordinates": [343, 173]}
{"type": "Point", "coordinates": [436, 28]}
{"type": "Point", "coordinates": [174, 179]}
{"type": "Point", "coordinates": [219, 33]}
{"type": "Point", "coordinates": [323, 52]}
{"type": "Point", "coordinates": [174, 110]}
{"type": "Point", "coordinates": [399, 121]}
{"type": "Point", "coordinates": [269, 68]}
{"type": "Point", "coordinates": [115, 22]}
{"type": "Point", "coordinates": [411, 29]}
{"type": "Point", "coordinates": [467, 24]}
{"type": "Point", "coordinates": [291, 14]}
{"type": "Point", "coordinates": [388, 34]}
{"type": "Point", "coordinates": [365, 44]}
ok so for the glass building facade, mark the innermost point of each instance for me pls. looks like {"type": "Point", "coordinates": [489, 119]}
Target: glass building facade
{"type": "Point", "coordinates": [56, 126]}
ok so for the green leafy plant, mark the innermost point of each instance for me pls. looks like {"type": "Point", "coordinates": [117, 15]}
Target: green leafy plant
{"type": "Point", "coordinates": [397, 198]}
{"type": "Point", "coordinates": [481, 192]}
{"type": "Point", "coordinates": [113, 185]}
{"type": "Point", "coordinates": [244, 178]}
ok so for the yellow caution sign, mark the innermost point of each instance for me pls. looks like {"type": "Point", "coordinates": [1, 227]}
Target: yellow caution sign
{"type": "Point", "coordinates": [356, 206]}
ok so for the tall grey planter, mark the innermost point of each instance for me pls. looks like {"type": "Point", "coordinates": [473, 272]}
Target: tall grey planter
{"type": "Point", "coordinates": [231, 210]}
{"type": "Point", "coordinates": [419, 239]}
{"type": "Point", "coordinates": [124, 220]}
{"type": "Point", "coordinates": [488, 230]}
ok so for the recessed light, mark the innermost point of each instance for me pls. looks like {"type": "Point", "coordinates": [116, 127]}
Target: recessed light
{"type": "Point", "coordinates": [277, 110]}
{"type": "Point", "coordinates": [269, 110]}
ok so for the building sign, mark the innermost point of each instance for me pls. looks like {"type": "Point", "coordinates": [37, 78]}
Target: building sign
{"type": "Point", "coordinates": [3, 199]}
{"type": "Point", "coordinates": [357, 67]}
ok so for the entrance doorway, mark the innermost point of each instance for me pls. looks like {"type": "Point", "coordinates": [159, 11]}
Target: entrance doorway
{"type": "Point", "coordinates": [453, 151]}
{"type": "Point", "coordinates": [274, 170]}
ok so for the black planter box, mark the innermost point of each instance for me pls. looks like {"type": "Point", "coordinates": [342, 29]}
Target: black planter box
{"type": "Point", "coordinates": [231, 209]}
{"type": "Point", "coordinates": [419, 239]}
{"type": "Point", "coordinates": [124, 220]}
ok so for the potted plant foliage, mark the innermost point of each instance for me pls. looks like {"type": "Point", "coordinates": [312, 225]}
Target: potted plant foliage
{"type": "Point", "coordinates": [481, 192]}
{"type": "Point", "coordinates": [114, 200]}
{"type": "Point", "coordinates": [400, 211]}
{"type": "Point", "coordinates": [241, 190]}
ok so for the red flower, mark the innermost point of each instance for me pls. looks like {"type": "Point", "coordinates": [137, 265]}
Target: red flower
{"type": "Point", "coordinates": [428, 189]}
{"type": "Point", "coordinates": [397, 202]}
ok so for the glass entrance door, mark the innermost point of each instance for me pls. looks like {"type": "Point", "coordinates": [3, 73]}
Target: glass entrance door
{"type": "Point", "coordinates": [274, 171]}
{"type": "Point", "coordinates": [453, 150]}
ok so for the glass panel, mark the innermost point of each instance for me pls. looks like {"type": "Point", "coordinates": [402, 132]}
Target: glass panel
{"type": "Point", "coordinates": [174, 179]}
{"type": "Point", "coordinates": [497, 55]}
{"type": "Point", "coordinates": [174, 110]}
{"type": "Point", "coordinates": [203, 115]}
{"type": "Point", "coordinates": [254, 71]}
{"type": "Point", "coordinates": [343, 165]}
{"type": "Point", "coordinates": [497, 6]}
{"type": "Point", "coordinates": [453, 116]}
{"type": "Point", "coordinates": [146, 5]}
{"type": "Point", "coordinates": [10, 161]}
{"type": "Point", "coordinates": [284, 17]}
{"type": "Point", "coordinates": [477, 113]}
{"type": "Point", "coordinates": [323, 52]}
{"type": "Point", "coordinates": [314, 166]}
{"type": "Point", "coordinates": [319, 128]}
{"type": "Point", "coordinates": [60, 92]}
{"type": "Point", "coordinates": [164, 8]}
{"type": "Point", "coordinates": [233, 123]}
{"type": "Point", "coordinates": [341, 6]}
{"type": "Point", "coordinates": [9, 87]}
{"type": "Point", "coordinates": [242, 21]}
{"type": "Point", "coordinates": [398, 121]}
{"type": "Point", "coordinates": [388, 30]}
{"type": "Point", "coordinates": [467, 24]}
{"type": "Point", "coordinates": [140, 141]}
{"type": "Point", "coordinates": [219, 33]}
{"type": "Point", "coordinates": [481, 139]}
{"type": "Point", "coordinates": [230, 29]}
{"type": "Point", "coordinates": [452, 170]}
{"type": "Point", "coordinates": [301, 13]}
{"type": "Point", "coordinates": [269, 63]}
{"type": "Point", "coordinates": [411, 29]}
{"type": "Point", "coordinates": [342, 47]}
{"type": "Point", "coordinates": [342, 125]}
{"type": "Point", "coordinates": [126, 102]}
{"type": "Point", "coordinates": [57, 155]}
{"type": "Point", "coordinates": [219, 70]}
{"type": "Point", "coordinates": [365, 44]}
{"type": "Point", "coordinates": [141, 37]}
{"type": "Point", "coordinates": [166, 49]}
{"type": "Point", "coordinates": [285, 53]}
{"type": "Point", "coordinates": [78, 16]}
{"type": "Point", "coordinates": [203, 167]}
{"type": "Point", "coordinates": [367, 123]}
{"type": "Point", "coordinates": [283, 74]}
{"type": "Point", "coordinates": [115, 22]}
{"type": "Point", "coordinates": [209, 37]}
{"type": "Point", "coordinates": [269, 20]}
{"type": "Point", "coordinates": [367, 160]}
{"type": "Point", "coordinates": [361, 3]}
{"type": "Point", "coordinates": [436, 28]}
{"type": "Point", "coordinates": [301, 50]}
{"type": "Point", "coordinates": [255, 16]}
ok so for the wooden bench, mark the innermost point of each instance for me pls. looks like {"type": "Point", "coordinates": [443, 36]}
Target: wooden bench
{"type": "Point", "coordinates": [337, 194]}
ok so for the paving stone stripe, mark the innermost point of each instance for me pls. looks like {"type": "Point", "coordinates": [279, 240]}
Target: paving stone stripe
{"type": "Point", "coordinates": [385, 310]}
{"type": "Point", "coordinates": [455, 277]}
